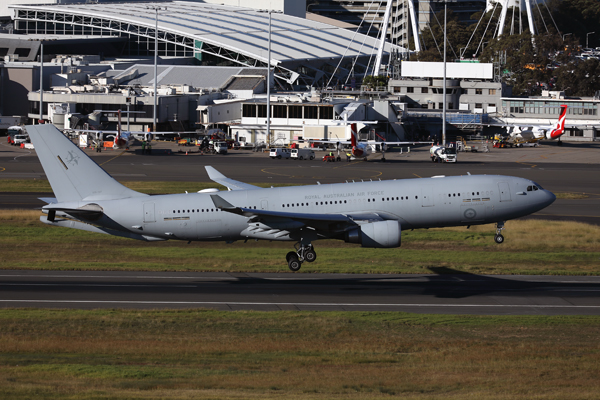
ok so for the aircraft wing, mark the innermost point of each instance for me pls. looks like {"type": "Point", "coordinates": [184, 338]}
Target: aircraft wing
{"type": "Point", "coordinates": [388, 143]}
{"type": "Point", "coordinates": [231, 184]}
{"type": "Point", "coordinates": [291, 220]}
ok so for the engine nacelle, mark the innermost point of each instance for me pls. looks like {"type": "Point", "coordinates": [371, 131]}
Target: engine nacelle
{"type": "Point", "coordinates": [381, 234]}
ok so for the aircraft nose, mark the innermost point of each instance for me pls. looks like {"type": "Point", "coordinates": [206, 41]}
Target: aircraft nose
{"type": "Point", "coordinates": [548, 198]}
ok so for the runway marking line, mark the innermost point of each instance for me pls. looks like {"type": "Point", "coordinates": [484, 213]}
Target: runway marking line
{"type": "Point", "coordinates": [117, 156]}
{"type": "Point", "coordinates": [524, 163]}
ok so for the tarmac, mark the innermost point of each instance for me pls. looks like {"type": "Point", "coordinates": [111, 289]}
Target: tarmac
{"type": "Point", "coordinates": [572, 168]}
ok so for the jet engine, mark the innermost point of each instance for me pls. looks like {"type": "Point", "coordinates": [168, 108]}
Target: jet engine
{"type": "Point", "coordinates": [381, 234]}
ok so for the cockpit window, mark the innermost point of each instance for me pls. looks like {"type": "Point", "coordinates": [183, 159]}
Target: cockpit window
{"type": "Point", "coordinates": [537, 186]}
{"type": "Point", "coordinates": [529, 188]}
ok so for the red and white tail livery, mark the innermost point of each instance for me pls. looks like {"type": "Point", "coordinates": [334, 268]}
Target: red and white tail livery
{"type": "Point", "coordinates": [559, 129]}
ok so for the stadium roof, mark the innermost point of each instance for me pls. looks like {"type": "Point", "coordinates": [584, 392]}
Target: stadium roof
{"type": "Point", "coordinates": [237, 34]}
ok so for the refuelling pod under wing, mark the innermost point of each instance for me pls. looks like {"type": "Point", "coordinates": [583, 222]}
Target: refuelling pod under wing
{"type": "Point", "coordinates": [380, 234]}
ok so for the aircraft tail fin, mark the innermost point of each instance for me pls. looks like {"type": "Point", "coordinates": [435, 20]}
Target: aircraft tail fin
{"type": "Point", "coordinates": [354, 135]}
{"type": "Point", "coordinates": [72, 174]}
{"type": "Point", "coordinates": [559, 128]}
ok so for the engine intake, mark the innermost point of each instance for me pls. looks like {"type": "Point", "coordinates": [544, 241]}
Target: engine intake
{"type": "Point", "coordinates": [381, 234]}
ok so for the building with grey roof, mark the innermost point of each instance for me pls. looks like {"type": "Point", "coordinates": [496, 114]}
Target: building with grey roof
{"type": "Point", "coordinates": [303, 53]}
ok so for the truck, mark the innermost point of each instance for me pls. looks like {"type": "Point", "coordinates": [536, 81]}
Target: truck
{"type": "Point", "coordinates": [443, 154]}
{"type": "Point", "coordinates": [303, 154]}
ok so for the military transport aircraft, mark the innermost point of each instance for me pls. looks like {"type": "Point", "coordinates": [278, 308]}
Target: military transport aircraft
{"type": "Point", "coordinates": [372, 214]}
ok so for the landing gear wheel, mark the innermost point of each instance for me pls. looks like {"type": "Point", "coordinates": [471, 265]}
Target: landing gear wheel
{"type": "Point", "coordinates": [338, 159]}
{"type": "Point", "coordinates": [294, 263]}
{"type": "Point", "coordinates": [499, 239]}
{"type": "Point", "coordinates": [310, 255]}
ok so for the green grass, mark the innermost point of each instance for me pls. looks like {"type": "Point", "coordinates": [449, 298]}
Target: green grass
{"type": "Point", "coordinates": [297, 355]}
{"type": "Point", "coordinates": [530, 248]}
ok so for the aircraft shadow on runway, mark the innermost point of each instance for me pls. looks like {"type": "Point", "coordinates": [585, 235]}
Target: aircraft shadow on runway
{"type": "Point", "coordinates": [445, 283]}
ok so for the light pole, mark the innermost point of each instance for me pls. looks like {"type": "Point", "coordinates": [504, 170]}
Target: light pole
{"type": "Point", "coordinates": [269, 77]}
{"type": "Point", "coordinates": [444, 91]}
{"type": "Point", "coordinates": [269, 84]}
{"type": "Point", "coordinates": [565, 35]}
{"type": "Point", "coordinates": [156, 10]}
{"type": "Point", "coordinates": [444, 80]}
{"type": "Point", "coordinates": [586, 39]}
{"type": "Point", "coordinates": [41, 82]}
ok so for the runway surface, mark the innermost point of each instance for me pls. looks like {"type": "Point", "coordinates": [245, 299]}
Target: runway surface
{"type": "Point", "coordinates": [442, 294]}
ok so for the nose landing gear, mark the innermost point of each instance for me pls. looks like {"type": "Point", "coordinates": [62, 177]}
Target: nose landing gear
{"type": "Point", "coordinates": [302, 253]}
{"type": "Point", "coordinates": [499, 228]}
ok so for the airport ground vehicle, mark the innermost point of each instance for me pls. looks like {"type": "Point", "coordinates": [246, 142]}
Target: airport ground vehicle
{"type": "Point", "coordinates": [302, 154]}
{"type": "Point", "coordinates": [18, 139]}
{"type": "Point", "coordinates": [279, 153]}
{"type": "Point", "coordinates": [220, 147]}
{"type": "Point", "coordinates": [443, 154]}
{"type": "Point", "coordinates": [331, 158]}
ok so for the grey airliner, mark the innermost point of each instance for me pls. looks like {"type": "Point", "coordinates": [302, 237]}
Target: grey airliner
{"type": "Point", "coordinates": [372, 214]}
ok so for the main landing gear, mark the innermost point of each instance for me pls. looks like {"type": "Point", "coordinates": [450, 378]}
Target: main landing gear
{"type": "Point", "coordinates": [499, 228]}
{"type": "Point", "coordinates": [302, 253]}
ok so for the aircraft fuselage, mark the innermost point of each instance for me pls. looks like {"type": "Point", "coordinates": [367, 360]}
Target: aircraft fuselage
{"type": "Point", "coordinates": [415, 203]}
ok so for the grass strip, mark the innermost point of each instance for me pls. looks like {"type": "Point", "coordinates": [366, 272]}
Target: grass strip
{"type": "Point", "coordinates": [530, 248]}
{"type": "Point", "coordinates": [186, 354]}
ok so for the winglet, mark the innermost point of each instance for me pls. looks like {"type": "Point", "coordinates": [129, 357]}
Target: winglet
{"type": "Point", "coordinates": [221, 203]}
{"type": "Point", "coordinates": [224, 205]}
{"type": "Point", "coordinates": [229, 183]}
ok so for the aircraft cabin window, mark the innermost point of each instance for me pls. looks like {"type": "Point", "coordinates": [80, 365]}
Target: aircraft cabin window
{"type": "Point", "coordinates": [178, 211]}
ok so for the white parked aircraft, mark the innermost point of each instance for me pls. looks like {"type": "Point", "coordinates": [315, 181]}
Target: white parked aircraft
{"type": "Point", "coordinates": [372, 214]}
{"type": "Point", "coordinates": [363, 149]}
{"type": "Point", "coordinates": [535, 133]}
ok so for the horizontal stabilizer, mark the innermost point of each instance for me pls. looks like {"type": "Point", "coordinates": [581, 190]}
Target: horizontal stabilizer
{"type": "Point", "coordinates": [48, 200]}
{"type": "Point", "coordinates": [231, 184]}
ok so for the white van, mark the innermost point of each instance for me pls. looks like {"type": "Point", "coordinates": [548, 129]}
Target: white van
{"type": "Point", "coordinates": [220, 148]}
{"type": "Point", "coordinates": [303, 154]}
{"type": "Point", "coordinates": [279, 153]}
